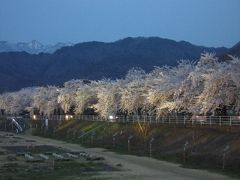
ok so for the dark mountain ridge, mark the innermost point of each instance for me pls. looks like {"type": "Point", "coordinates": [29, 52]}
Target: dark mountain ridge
{"type": "Point", "coordinates": [94, 60]}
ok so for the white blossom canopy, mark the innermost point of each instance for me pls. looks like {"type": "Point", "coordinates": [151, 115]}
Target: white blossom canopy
{"type": "Point", "coordinates": [197, 88]}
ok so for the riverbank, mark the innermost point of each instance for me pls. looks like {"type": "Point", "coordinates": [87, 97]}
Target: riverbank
{"type": "Point", "coordinates": [129, 167]}
{"type": "Point", "coordinates": [216, 150]}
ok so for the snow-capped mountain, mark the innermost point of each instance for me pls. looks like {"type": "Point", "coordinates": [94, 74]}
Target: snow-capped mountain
{"type": "Point", "coordinates": [33, 47]}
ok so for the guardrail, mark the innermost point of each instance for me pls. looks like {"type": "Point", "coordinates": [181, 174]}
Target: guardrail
{"type": "Point", "coordinates": [184, 120]}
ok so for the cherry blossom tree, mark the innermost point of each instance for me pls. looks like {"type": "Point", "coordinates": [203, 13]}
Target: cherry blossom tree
{"type": "Point", "coordinates": [197, 88]}
{"type": "Point", "coordinates": [165, 87]}
{"type": "Point", "coordinates": [221, 86]}
{"type": "Point", "coordinates": [67, 94]}
{"type": "Point", "coordinates": [86, 97]}
{"type": "Point", "coordinates": [133, 91]}
{"type": "Point", "coordinates": [45, 100]}
{"type": "Point", "coordinates": [17, 102]}
{"type": "Point", "coordinates": [108, 98]}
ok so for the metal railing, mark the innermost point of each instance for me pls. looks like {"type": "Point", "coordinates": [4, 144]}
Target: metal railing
{"type": "Point", "coordinates": [177, 120]}
{"type": "Point", "coordinates": [184, 120]}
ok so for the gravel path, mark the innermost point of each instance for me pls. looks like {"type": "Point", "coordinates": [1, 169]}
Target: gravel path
{"type": "Point", "coordinates": [134, 167]}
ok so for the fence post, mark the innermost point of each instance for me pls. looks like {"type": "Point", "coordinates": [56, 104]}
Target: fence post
{"type": "Point", "coordinates": [150, 146]}
{"type": "Point", "coordinates": [129, 143]}
{"type": "Point", "coordinates": [210, 121]}
{"type": "Point", "coordinates": [92, 136]}
{"type": "Point", "coordinates": [185, 149]}
{"type": "Point", "coordinates": [225, 151]}
{"type": "Point", "coordinates": [230, 121]}
{"type": "Point", "coordinates": [12, 126]}
{"type": "Point", "coordinates": [114, 138]}
{"type": "Point", "coordinates": [5, 124]}
{"type": "Point", "coordinates": [220, 121]}
{"type": "Point", "coordinates": [114, 141]}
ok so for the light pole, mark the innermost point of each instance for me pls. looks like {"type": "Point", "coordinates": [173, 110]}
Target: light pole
{"type": "Point", "coordinates": [129, 142]}
{"type": "Point", "coordinates": [114, 138]}
{"type": "Point", "coordinates": [92, 136]}
{"type": "Point", "coordinates": [150, 146]}
{"type": "Point", "coordinates": [225, 151]}
{"type": "Point", "coordinates": [185, 148]}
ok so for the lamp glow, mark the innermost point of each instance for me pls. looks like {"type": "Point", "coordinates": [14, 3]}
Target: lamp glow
{"type": "Point", "coordinates": [66, 117]}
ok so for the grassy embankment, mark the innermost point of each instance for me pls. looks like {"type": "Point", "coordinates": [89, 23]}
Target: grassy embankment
{"type": "Point", "coordinates": [192, 147]}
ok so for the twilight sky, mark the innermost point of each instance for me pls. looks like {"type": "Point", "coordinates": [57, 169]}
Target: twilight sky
{"type": "Point", "coordinates": [202, 22]}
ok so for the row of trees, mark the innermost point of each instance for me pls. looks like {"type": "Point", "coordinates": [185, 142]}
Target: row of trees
{"type": "Point", "coordinates": [196, 88]}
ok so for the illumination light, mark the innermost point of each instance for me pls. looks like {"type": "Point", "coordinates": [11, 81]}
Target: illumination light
{"type": "Point", "coordinates": [66, 117]}
{"type": "Point", "coordinates": [111, 117]}
{"type": "Point", "coordinates": [34, 117]}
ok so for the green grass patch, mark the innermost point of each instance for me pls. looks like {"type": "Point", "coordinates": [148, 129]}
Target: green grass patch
{"type": "Point", "coordinates": [60, 170]}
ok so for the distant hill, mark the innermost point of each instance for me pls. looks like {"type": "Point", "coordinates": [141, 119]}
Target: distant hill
{"type": "Point", "coordinates": [93, 60]}
{"type": "Point", "coordinates": [33, 47]}
{"type": "Point", "coordinates": [235, 50]}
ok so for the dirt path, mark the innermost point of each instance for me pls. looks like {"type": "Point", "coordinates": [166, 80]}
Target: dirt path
{"type": "Point", "coordinates": [134, 167]}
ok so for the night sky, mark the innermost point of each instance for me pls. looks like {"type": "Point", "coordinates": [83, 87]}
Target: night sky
{"type": "Point", "coordinates": [202, 22]}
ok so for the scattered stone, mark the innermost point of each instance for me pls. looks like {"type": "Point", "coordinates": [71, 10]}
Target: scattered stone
{"type": "Point", "coordinates": [44, 156]}
{"type": "Point", "coordinates": [119, 165]}
{"type": "Point", "coordinates": [9, 135]}
{"type": "Point", "coordinates": [30, 140]}
{"type": "Point", "coordinates": [20, 153]}
{"type": "Point", "coordinates": [28, 157]}
{"type": "Point", "coordinates": [48, 153]}
{"type": "Point", "coordinates": [71, 155]}
{"type": "Point", "coordinates": [32, 159]}
{"type": "Point", "coordinates": [11, 158]}
{"type": "Point", "coordinates": [10, 167]}
{"type": "Point", "coordinates": [58, 156]}
{"type": "Point", "coordinates": [94, 158]}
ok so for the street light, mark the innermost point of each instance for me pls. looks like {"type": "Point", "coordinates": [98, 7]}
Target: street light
{"type": "Point", "coordinates": [111, 117]}
{"type": "Point", "coordinates": [66, 117]}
